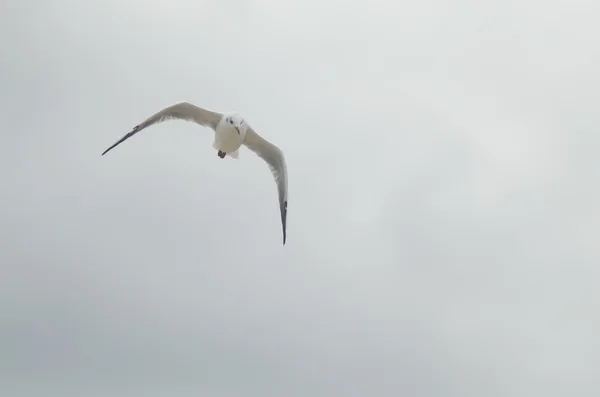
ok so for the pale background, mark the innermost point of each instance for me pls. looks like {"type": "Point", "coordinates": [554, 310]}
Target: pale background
{"type": "Point", "coordinates": [443, 205]}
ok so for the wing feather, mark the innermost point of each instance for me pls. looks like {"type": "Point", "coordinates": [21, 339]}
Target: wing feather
{"type": "Point", "coordinates": [275, 159]}
{"type": "Point", "coordinates": [182, 111]}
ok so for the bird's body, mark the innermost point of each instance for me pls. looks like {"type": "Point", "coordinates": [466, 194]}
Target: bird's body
{"type": "Point", "coordinates": [231, 131]}
{"type": "Point", "coordinates": [227, 139]}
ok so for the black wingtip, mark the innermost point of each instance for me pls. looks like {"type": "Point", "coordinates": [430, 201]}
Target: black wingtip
{"type": "Point", "coordinates": [107, 150]}
{"type": "Point", "coordinates": [127, 136]}
{"type": "Point", "coordinates": [284, 220]}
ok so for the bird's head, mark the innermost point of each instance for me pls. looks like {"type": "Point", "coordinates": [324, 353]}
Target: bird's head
{"type": "Point", "coordinates": [237, 122]}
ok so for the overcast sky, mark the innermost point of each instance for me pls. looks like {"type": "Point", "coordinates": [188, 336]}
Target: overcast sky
{"type": "Point", "coordinates": [443, 199]}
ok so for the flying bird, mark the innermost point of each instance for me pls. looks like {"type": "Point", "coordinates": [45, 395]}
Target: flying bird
{"type": "Point", "coordinates": [231, 132]}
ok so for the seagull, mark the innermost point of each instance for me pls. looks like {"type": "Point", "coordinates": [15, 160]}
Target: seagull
{"type": "Point", "coordinates": [231, 132]}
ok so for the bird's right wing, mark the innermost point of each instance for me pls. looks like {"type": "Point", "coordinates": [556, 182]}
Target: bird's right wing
{"type": "Point", "coordinates": [183, 111]}
{"type": "Point", "coordinates": [275, 159]}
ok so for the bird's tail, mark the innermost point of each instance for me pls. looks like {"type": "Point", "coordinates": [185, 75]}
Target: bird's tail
{"type": "Point", "coordinates": [234, 155]}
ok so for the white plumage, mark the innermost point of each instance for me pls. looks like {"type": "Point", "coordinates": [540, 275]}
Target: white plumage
{"type": "Point", "coordinates": [231, 132]}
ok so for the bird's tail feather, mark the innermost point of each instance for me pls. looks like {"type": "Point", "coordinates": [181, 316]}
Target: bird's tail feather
{"type": "Point", "coordinates": [235, 155]}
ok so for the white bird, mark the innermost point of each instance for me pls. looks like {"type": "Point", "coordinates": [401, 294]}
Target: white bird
{"type": "Point", "coordinates": [231, 131]}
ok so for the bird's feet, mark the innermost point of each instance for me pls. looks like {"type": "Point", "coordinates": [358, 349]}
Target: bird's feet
{"type": "Point", "coordinates": [221, 154]}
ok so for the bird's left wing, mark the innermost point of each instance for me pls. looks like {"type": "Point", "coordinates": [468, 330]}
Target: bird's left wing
{"type": "Point", "coordinates": [183, 111]}
{"type": "Point", "coordinates": [273, 156]}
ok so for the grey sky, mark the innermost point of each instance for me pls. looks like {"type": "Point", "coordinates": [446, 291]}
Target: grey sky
{"type": "Point", "coordinates": [442, 223]}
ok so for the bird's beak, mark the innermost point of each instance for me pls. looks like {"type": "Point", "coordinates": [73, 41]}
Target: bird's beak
{"type": "Point", "coordinates": [238, 130]}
